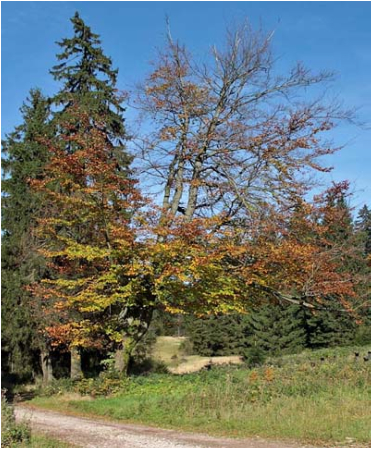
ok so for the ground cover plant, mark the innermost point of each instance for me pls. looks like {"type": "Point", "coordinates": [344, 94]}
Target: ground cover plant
{"type": "Point", "coordinates": [42, 440]}
{"type": "Point", "coordinates": [19, 434]}
{"type": "Point", "coordinates": [287, 397]}
{"type": "Point", "coordinates": [13, 434]}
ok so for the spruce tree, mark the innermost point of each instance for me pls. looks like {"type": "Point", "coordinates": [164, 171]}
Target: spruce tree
{"type": "Point", "coordinates": [328, 328]}
{"type": "Point", "coordinates": [363, 227]}
{"type": "Point", "coordinates": [88, 89]}
{"type": "Point", "coordinates": [88, 80]}
{"type": "Point", "coordinates": [218, 335]}
{"type": "Point", "coordinates": [277, 329]}
{"type": "Point", "coordinates": [24, 157]}
{"type": "Point", "coordinates": [363, 232]}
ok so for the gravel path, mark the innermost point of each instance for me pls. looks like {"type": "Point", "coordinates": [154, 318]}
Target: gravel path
{"type": "Point", "coordinates": [88, 432]}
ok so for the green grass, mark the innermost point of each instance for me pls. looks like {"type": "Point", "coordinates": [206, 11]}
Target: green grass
{"type": "Point", "coordinates": [41, 440]}
{"type": "Point", "coordinates": [295, 397]}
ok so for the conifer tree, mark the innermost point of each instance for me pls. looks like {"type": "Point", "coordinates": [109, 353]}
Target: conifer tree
{"type": "Point", "coordinates": [88, 84]}
{"type": "Point", "coordinates": [363, 227]}
{"type": "Point", "coordinates": [89, 80]}
{"type": "Point", "coordinates": [218, 335]}
{"type": "Point", "coordinates": [363, 232]}
{"type": "Point", "coordinates": [277, 329]}
{"type": "Point", "coordinates": [24, 158]}
{"type": "Point", "coordinates": [327, 328]}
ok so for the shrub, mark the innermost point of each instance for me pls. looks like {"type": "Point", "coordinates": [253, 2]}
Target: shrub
{"type": "Point", "coordinates": [101, 386]}
{"type": "Point", "coordinates": [254, 356]}
{"type": "Point", "coordinates": [148, 366]}
{"type": "Point", "coordinates": [12, 434]}
{"type": "Point", "coordinates": [57, 386]}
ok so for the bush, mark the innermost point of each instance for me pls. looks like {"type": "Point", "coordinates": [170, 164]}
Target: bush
{"type": "Point", "coordinates": [12, 434]}
{"type": "Point", "coordinates": [254, 356]}
{"type": "Point", "coordinates": [57, 386]}
{"type": "Point", "coordinates": [147, 366]}
{"type": "Point", "coordinates": [101, 386]}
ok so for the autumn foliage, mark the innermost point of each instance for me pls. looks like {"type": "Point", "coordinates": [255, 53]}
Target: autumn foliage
{"type": "Point", "coordinates": [231, 156]}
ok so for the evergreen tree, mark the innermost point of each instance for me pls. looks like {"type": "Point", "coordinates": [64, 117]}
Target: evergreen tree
{"type": "Point", "coordinates": [89, 87]}
{"type": "Point", "coordinates": [218, 335]}
{"type": "Point", "coordinates": [363, 227]}
{"type": "Point", "coordinates": [277, 329]}
{"type": "Point", "coordinates": [327, 328]}
{"type": "Point", "coordinates": [363, 231]}
{"type": "Point", "coordinates": [89, 80]}
{"type": "Point", "coordinates": [24, 157]}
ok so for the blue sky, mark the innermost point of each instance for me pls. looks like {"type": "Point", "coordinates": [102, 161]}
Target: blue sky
{"type": "Point", "coordinates": [324, 35]}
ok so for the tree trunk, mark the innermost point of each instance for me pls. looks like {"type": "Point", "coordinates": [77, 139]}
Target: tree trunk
{"type": "Point", "coordinates": [46, 367]}
{"type": "Point", "coordinates": [76, 371]}
{"type": "Point", "coordinates": [122, 356]}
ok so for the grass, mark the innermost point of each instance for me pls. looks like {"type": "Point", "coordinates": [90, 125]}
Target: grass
{"type": "Point", "coordinates": [41, 440]}
{"type": "Point", "coordinates": [295, 397]}
{"type": "Point", "coordinates": [170, 351]}
{"type": "Point", "coordinates": [166, 348]}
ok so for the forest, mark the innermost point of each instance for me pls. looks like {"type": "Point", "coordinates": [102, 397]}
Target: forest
{"type": "Point", "coordinates": [205, 218]}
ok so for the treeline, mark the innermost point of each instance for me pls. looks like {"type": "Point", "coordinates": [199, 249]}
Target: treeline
{"type": "Point", "coordinates": [90, 261]}
{"type": "Point", "coordinates": [274, 330]}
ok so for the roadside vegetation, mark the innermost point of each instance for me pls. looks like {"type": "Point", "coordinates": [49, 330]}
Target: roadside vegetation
{"type": "Point", "coordinates": [19, 434]}
{"type": "Point", "coordinates": [41, 440]}
{"type": "Point", "coordinates": [320, 397]}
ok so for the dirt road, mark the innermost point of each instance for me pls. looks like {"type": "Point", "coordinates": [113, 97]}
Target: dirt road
{"type": "Point", "coordinates": [88, 432]}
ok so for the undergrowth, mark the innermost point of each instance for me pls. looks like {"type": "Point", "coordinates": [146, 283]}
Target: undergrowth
{"type": "Point", "coordinates": [13, 434]}
{"type": "Point", "coordinates": [322, 396]}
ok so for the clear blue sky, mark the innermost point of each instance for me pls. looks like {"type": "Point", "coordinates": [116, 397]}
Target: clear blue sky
{"type": "Point", "coordinates": [324, 35]}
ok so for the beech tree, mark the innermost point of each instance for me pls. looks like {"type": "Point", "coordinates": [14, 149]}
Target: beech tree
{"type": "Point", "coordinates": [229, 137]}
{"type": "Point", "coordinates": [89, 81]}
{"type": "Point", "coordinates": [86, 235]}
{"type": "Point", "coordinates": [234, 148]}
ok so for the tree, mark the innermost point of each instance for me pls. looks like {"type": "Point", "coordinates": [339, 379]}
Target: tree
{"type": "Point", "coordinates": [277, 329]}
{"type": "Point", "coordinates": [329, 328]}
{"type": "Point", "coordinates": [25, 157]}
{"type": "Point", "coordinates": [234, 147]}
{"type": "Point", "coordinates": [363, 226]}
{"type": "Point", "coordinates": [218, 335]}
{"type": "Point", "coordinates": [89, 82]}
{"type": "Point", "coordinates": [229, 136]}
{"type": "Point", "coordinates": [363, 233]}
{"type": "Point", "coordinates": [90, 244]}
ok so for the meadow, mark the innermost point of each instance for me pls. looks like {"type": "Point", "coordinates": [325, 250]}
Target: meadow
{"type": "Point", "coordinates": [318, 397]}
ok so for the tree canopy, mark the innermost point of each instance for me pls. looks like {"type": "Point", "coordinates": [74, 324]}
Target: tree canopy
{"type": "Point", "coordinates": [215, 216]}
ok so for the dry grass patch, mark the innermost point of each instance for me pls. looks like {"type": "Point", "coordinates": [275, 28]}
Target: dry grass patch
{"type": "Point", "coordinates": [169, 351]}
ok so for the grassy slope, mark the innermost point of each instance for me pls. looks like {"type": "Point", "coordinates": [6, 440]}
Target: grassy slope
{"type": "Point", "coordinates": [167, 347]}
{"type": "Point", "coordinates": [41, 440]}
{"type": "Point", "coordinates": [296, 397]}
{"type": "Point", "coordinates": [169, 350]}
